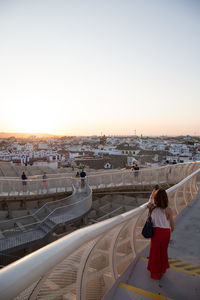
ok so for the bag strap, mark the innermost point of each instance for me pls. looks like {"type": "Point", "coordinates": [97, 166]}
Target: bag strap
{"type": "Point", "coordinates": [151, 208]}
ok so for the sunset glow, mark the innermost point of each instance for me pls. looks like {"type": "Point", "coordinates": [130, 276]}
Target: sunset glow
{"type": "Point", "coordinates": [92, 67]}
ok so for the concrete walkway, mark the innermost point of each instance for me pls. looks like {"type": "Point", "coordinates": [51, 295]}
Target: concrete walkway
{"type": "Point", "coordinates": [182, 280]}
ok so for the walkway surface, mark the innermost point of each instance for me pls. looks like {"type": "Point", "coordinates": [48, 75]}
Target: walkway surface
{"type": "Point", "coordinates": [63, 211]}
{"type": "Point", "coordinates": [182, 280]}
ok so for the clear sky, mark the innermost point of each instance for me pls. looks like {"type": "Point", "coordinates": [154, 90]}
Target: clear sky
{"type": "Point", "coordinates": [113, 66]}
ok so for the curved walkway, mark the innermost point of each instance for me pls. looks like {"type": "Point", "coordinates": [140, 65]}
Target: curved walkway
{"type": "Point", "coordinates": [47, 219]}
{"type": "Point", "coordinates": [21, 232]}
{"type": "Point", "coordinates": [86, 263]}
{"type": "Point", "coordinates": [182, 280]}
{"type": "Point", "coordinates": [12, 187]}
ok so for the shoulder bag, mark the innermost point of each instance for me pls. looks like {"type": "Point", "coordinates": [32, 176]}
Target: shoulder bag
{"type": "Point", "coordinates": [147, 230]}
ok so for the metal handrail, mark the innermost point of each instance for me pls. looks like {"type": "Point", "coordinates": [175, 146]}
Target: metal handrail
{"type": "Point", "coordinates": [108, 177]}
{"type": "Point", "coordinates": [14, 220]}
{"type": "Point", "coordinates": [48, 215]}
{"type": "Point", "coordinates": [60, 175]}
{"type": "Point", "coordinates": [30, 216]}
{"type": "Point", "coordinates": [67, 176]}
{"type": "Point", "coordinates": [62, 184]}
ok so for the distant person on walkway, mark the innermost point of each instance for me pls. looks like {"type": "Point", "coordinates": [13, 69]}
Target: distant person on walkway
{"type": "Point", "coordinates": [24, 178]}
{"type": "Point", "coordinates": [44, 180]}
{"type": "Point", "coordinates": [83, 175]}
{"type": "Point", "coordinates": [77, 179]}
{"type": "Point", "coordinates": [163, 225]}
{"type": "Point", "coordinates": [136, 169]}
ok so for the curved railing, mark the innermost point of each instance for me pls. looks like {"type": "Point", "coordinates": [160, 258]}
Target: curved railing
{"type": "Point", "coordinates": [85, 264]}
{"type": "Point", "coordinates": [169, 174]}
{"type": "Point", "coordinates": [18, 232]}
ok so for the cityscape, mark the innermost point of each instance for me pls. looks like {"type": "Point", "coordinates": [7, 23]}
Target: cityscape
{"type": "Point", "coordinates": [98, 152]}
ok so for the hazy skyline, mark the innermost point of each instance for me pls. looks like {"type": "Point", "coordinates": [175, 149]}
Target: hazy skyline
{"type": "Point", "coordinates": [86, 67]}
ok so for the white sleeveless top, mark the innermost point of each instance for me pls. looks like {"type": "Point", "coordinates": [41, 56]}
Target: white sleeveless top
{"type": "Point", "coordinates": [159, 218]}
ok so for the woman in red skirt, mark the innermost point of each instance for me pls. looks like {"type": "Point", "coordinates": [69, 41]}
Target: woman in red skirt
{"type": "Point", "coordinates": [163, 225]}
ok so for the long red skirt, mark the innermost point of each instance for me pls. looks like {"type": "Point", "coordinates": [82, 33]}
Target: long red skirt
{"type": "Point", "coordinates": [158, 256]}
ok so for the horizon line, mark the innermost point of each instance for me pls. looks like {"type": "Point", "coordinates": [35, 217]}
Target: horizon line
{"type": "Point", "coordinates": [98, 135]}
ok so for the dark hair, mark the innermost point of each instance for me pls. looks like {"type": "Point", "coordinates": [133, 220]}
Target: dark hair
{"type": "Point", "coordinates": [161, 198]}
{"type": "Point", "coordinates": [156, 187]}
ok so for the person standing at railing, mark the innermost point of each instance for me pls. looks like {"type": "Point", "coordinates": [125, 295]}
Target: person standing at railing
{"type": "Point", "coordinates": [136, 169]}
{"type": "Point", "coordinates": [163, 225]}
{"type": "Point", "coordinates": [83, 175]}
{"type": "Point", "coordinates": [24, 178]}
{"type": "Point", "coordinates": [44, 181]}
